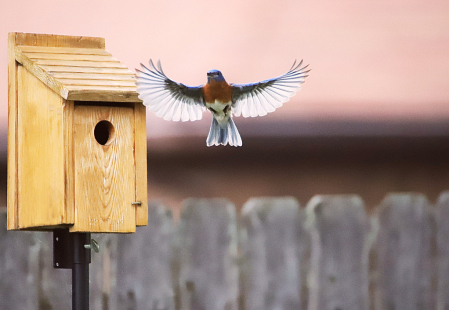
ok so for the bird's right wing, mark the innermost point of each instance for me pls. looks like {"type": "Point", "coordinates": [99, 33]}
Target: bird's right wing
{"type": "Point", "coordinates": [169, 99]}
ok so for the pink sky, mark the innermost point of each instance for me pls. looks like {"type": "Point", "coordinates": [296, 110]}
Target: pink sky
{"type": "Point", "coordinates": [370, 59]}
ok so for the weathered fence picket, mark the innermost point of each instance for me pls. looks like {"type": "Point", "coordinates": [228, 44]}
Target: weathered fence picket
{"type": "Point", "coordinates": [207, 241]}
{"type": "Point", "coordinates": [339, 257]}
{"type": "Point", "coordinates": [442, 219]}
{"type": "Point", "coordinates": [27, 277]}
{"type": "Point", "coordinates": [144, 277]}
{"type": "Point", "coordinates": [273, 245]}
{"type": "Point", "coordinates": [275, 255]}
{"type": "Point", "coordinates": [404, 253]}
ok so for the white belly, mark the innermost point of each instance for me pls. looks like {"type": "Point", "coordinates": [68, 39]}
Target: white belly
{"type": "Point", "coordinates": [219, 108]}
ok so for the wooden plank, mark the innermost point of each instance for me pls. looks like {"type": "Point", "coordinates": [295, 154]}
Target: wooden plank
{"type": "Point", "coordinates": [144, 276]}
{"type": "Point", "coordinates": [35, 39]}
{"type": "Point", "coordinates": [12, 135]}
{"type": "Point", "coordinates": [403, 250]}
{"type": "Point", "coordinates": [64, 50]}
{"type": "Point", "coordinates": [37, 71]}
{"type": "Point", "coordinates": [338, 275]}
{"type": "Point", "coordinates": [69, 164]}
{"type": "Point", "coordinates": [81, 63]}
{"type": "Point", "coordinates": [104, 174]}
{"type": "Point", "coordinates": [140, 150]}
{"type": "Point", "coordinates": [40, 145]}
{"type": "Point", "coordinates": [17, 286]}
{"type": "Point", "coordinates": [84, 82]}
{"type": "Point", "coordinates": [103, 273]}
{"type": "Point", "coordinates": [95, 76]}
{"type": "Point", "coordinates": [73, 88]}
{"type": "Point", "coordinates": [442, 220]}
{"type": "Point", "coordinates": [55, 69]}
{"type": "Point", "coordinates": [89, 93]}
{"type": "Point", "coordinates": [273, 243]}
{"type": "Point", "coordinates": [61, 56]}
{"type": "Point", "coordinates": [207, 239]}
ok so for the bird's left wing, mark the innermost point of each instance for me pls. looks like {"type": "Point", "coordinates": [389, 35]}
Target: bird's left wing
{"type": "Point", "coordinates": [259, 99]}
{"type": "Point", "coordinates": [169, 99]}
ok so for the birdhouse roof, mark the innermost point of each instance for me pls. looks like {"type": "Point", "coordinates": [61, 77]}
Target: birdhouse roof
{"type": "Point", "coordinates": [79, 73]}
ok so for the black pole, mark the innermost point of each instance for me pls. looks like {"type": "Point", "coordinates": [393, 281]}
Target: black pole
{"type": "Point", "coordinates": [72, 251]}
{"type": "Point", "coordinates": [80, 271]}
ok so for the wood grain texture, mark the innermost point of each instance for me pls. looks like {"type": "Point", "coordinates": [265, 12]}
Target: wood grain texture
{"type": "Point", "coordinates": [207, 239]}
{"type": "Point", "coordinates": [144, 274]}
{"type": "Point", "coordinates": [104, 174]}
{"type": "Point", "coordinates": [49, 40]}
{"type": "Point", "coordinates": [28, 279]}
{"type": "Point", "coordinates": [41, 74]}
{"type": "Point", "coordinates": [404, 256]}
{"type": "Point", "coordinates": [83, 72]}
{"type": "Point", "coordinates": [94, 76]}
{"type": "Point", "coordinates": [140, 149]}
{"type": "Point", "coordinates": [67, 69]}
{"type": "Point", "coordinates": [103, 93]}
{"type": "Point", "coordinates": [69, 162]}
{"type": "Point", "coordinates": [274, 243]}
{"type": "Point", "coordinates": [97, 82]}
{"type": "Point", "coordinates": [40, 145]}
{"type": "Point", "coordinates": [64, 50]}
{"type": "Point", "coordinates": [338, 275]}
{"type": "Point", "coordinates": [81, 63]}
{"type": "Point", "coordinates": [103, 273]}
{"type": "Point", "coordinates": [54, 55]}
{"type": "Point", "coordinates": [12, 134]}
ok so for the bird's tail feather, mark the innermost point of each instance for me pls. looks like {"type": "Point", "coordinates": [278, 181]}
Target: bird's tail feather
{"type": "Point", "coordinates": [225, 134]}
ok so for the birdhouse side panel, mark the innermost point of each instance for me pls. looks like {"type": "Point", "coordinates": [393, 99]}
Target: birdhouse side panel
{"type": "Point", "coordinates": [40, 153]}
{"type": "Point", "coordinates": [12, 135]}
{"type": "Point", "coordinates": [141, 165]}
{"type": "Point", "coordinates": [104, 169]}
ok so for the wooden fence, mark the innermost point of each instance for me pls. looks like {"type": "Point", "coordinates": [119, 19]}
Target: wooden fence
{"type": "Point", "coordinates": [274, 255]}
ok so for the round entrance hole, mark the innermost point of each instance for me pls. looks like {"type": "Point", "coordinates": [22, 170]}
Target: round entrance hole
{"type": "Point", "coordinates": [104, 132]}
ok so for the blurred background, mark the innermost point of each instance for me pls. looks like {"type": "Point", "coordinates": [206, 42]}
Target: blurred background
{"type": "Point", "coordinates": [372, 117]}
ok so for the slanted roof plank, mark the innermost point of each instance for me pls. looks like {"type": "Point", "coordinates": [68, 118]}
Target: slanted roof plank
{"type": "Point", "coordinates": [40, 73]}
{"type": "Point", "coordinates": [97, 82]}
{"type": "Point", "coordinates": [64, 50]}
{"type": "Point", "coordinates": [95, 76]}
{"type": "Point", "coordinates": [54, 69]}
{"type": "Point", "coordinates": [62, 56]}
{"type": "Point", "coordinates": [81, 63]}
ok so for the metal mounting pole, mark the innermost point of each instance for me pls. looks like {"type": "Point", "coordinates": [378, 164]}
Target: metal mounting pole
{"type": "Point", "coordinates": [80, 271]}
{"type": "Point", "coordinates": [72, 251]}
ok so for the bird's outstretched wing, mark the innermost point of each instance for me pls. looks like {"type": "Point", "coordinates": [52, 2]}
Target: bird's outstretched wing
{"type": "Point", "coordinates": [169, 99]}
{"type": "Point", "coordinates": [259, 99]}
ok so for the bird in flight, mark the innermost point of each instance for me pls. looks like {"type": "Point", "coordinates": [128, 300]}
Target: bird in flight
{"type": "Point", "coordinates": [175, 101]}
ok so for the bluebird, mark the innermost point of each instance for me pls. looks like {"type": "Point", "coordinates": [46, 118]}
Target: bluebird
{"type": "Point", "coordinates": [175, 101]}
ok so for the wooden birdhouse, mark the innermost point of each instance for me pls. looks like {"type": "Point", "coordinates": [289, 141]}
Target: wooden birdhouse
{"type": "Point", "coordinates": [77, 137]}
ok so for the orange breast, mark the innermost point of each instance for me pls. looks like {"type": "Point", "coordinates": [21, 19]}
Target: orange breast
{"type": "Point", "coordinates": [220, 91]}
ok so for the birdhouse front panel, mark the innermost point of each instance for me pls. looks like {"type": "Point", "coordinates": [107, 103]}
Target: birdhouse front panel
{"type": "Point", "coordinates": [103, 144]}
{"type": "Point", "coordinates": [76, 137]}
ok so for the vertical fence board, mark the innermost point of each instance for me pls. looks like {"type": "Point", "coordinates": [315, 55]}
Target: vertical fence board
{"type": "Point", "coordinates": [339, 255]}
{"type": "Point", "coordinates": [28, 280]}
{"type": "Point", "coordinates": [404, 255]}
{"type": "Point", "coordinates": [17, 287]}
{"type": "Point", "coordinates": [443, 251]}
{"type": "Point", "coordinates": [273, 243]}
{"type": "Point", "coordinates": [144, 279]}
{"type": "Point", "coordinates": [207, 240]}
{"type": "Point", "coordinates": [102, 273]}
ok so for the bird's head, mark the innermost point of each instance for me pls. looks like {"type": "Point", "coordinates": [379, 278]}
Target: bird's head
{"type": "Point", "coordinates": [215, 75]}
